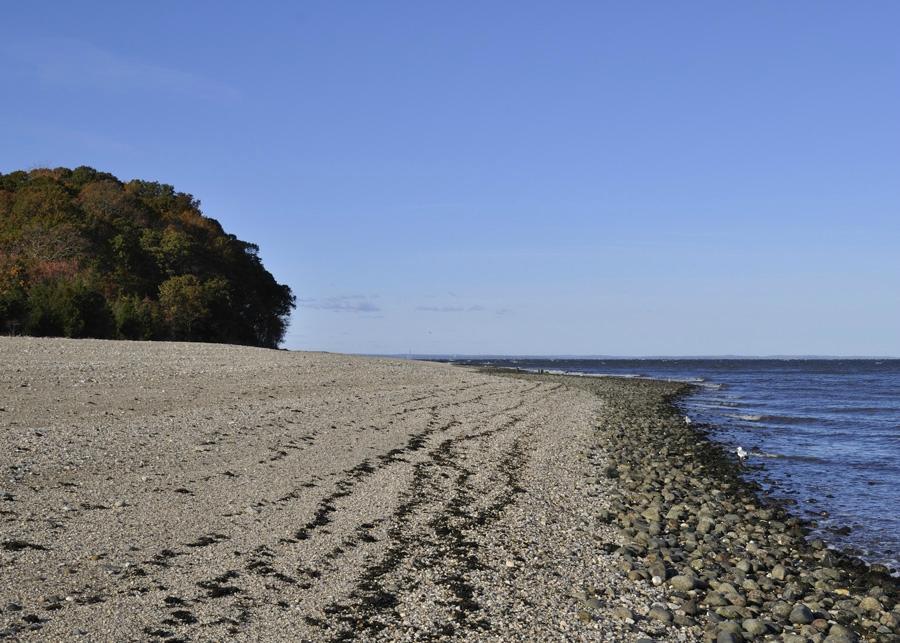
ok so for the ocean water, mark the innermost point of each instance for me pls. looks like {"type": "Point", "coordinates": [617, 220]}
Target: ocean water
{"type": "Point", "coordinates": [823, 435]}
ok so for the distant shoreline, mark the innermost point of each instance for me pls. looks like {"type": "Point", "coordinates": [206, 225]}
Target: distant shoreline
{"type": "Point", "coordinates": [461, 358]}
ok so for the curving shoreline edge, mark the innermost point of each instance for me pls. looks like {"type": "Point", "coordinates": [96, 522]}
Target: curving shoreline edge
{"type": "Point", "coordinates": [733, 558]}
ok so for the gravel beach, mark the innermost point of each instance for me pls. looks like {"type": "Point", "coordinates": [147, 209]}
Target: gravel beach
{"type": "Point", "coordinates": [732, 559]}
{"type": "Point", "coordinates": [175, 492]}
{"type": "Point", "coordinates": [204, 492]}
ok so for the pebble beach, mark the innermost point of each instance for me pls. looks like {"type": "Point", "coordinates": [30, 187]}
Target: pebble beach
{"type": "Point", "coordinates": [194, 492]}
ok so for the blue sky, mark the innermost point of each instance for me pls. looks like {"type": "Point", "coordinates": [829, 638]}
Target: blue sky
{"type": "Point", "coordinates": [622, 178]}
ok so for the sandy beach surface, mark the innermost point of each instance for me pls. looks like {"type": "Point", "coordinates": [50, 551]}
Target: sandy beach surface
{"type": "Point", "coordinates": [164, 491]}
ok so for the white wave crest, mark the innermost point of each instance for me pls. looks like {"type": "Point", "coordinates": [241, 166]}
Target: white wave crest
{"type": "Point", "coordinates": [747, 418]}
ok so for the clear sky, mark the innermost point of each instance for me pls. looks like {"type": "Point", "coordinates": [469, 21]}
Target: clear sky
{"type": "Point", "coordinates": [629, 178]}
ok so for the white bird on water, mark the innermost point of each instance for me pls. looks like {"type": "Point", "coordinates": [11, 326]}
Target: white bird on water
{"type": "Point", "coordinates": [741, 453]}
{"type": "Point", "coordinates": [687, 420]}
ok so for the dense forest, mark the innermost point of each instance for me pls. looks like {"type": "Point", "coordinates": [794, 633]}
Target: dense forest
{"type": "Point", "coordinates": [83, 254]}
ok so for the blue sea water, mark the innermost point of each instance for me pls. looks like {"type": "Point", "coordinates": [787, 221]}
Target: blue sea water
{"type": "Point", "coordinates": [822, 434]}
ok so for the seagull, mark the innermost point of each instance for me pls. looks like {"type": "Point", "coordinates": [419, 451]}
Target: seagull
{"type": "Point", "coordinates": [741, 453]}
{"type": "Point", "coordinates": [687, 420]}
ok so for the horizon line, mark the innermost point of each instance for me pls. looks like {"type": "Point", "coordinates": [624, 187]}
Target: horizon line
{"type": "Point", "coordinates": [411, 355]}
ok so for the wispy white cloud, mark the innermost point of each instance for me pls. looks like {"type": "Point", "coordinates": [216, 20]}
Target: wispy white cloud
{"type": "Point", "coordinates": [342, 304]}
{"type": "Point", "coordinates": [65, 61]}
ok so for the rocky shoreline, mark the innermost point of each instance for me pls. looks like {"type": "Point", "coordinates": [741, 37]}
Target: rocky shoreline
{"type": "Point", "coordinates": [735, 562]}
{"type": "Point", "coordinates": [183, 492]}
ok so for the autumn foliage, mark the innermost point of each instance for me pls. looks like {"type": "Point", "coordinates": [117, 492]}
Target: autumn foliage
{"type": "Point", "coordinates": [83, 254]}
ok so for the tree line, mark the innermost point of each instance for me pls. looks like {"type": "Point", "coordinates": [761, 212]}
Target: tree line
{"type": "Point", "coordinates": [83, 254]}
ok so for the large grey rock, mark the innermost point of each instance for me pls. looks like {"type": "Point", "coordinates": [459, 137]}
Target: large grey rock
{"type": "Point", "coordinates": [715, 599]}
{"type": "Point", "coordinates": [870, 604]}
{"type": "Point", "coordinates": [754, 627]}
{"type": "Point", "coordinates": [623, 614]}
{"type": "Point", "coordinates": [801, 615]}
{"type": "Point", "coordinates": [660, 614]}
{"type": "Point", "coordinates": [683, 583]}
{"type": "Point", "coordinates": [781, 609]}
{"type": "Point", "coordinates": [840, 634]}
{"type": "Point", "coordinates": [728, 637]}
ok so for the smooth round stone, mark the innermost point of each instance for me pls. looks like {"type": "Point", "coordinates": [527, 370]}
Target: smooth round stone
{"type": "Point", "coordinates": [715, 599]}
{"type": "Point", "coordinates": [820, 624]}
{"type": "Point", "coordinates": [870, 604]}
{"type": "Point", "coordinates": [660, 614]}
{"type": "Point", "coordinates": [754, 627]}
{"type": "Point", "coordinates": [840, 634]}
{"type": "Point", "coordinates": [781, 609]}
{"type": "Point", "coordinates": [651, 513]}
{"type": "Point", "coordinates": [682, 583]}
{"type": "Point", "coordinates": [732, 627]}
{"type": "Point", "coordinates": [726, 588]}
{"type": "Point", "coordinates": [729, 612]}
{"type": "Point", "coordinates": [657, 569]}
{"type": "Point", "coordinates": [801, 614]}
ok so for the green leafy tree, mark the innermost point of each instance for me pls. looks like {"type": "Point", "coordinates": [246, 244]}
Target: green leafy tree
{"type": "Point", "coordinates": [84, 254]}
{"type": "Point", "coordinates": [136, 318]}
{"type": "Point", "coordinates": [182, 301]}
{"type": "Point", "coordinates": [13, 298]}
{"type": "Point", "coordinates": [68, 308]}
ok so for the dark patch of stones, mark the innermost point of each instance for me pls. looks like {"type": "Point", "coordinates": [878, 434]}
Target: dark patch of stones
{"type": "Point", "coordinates": [20, 545]}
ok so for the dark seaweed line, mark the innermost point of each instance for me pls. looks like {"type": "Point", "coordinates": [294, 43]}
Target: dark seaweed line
{"type": "Point", "coordinates": [216, 588]}
{"type": "Point", "coordinates": [364, 469]}
{"type": "Point", "coordinates": [322, 517]}
{"type": "Point", "coordinates": [376, 606]}
{"type": "Point", "coordinates": [456, 522]}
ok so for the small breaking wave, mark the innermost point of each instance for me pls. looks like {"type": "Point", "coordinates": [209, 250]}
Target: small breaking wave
{"type": "Point", "coordinates": [774, 419]}
{"type": "Point", "coordinates": [758, 453]}
{"type": "Point", "coordinates": [791, 419]}
{"type": "Point", "coordinates": [720, 404]}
